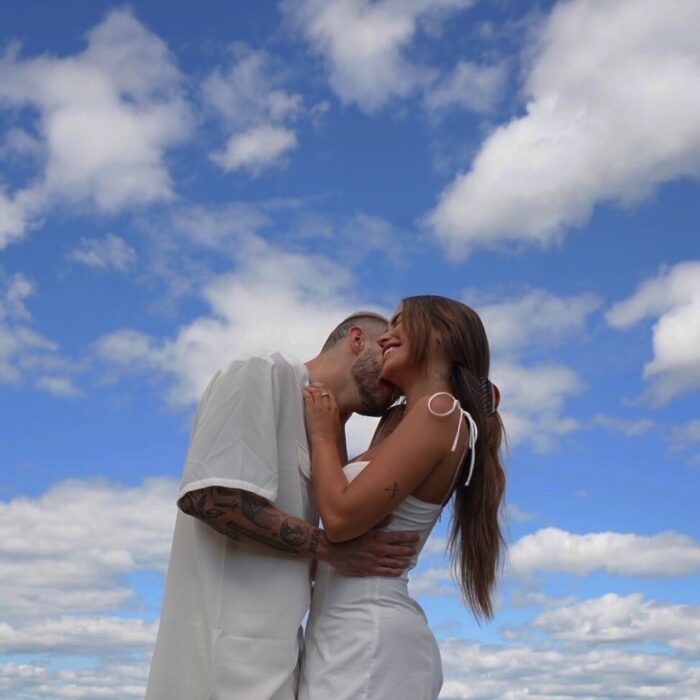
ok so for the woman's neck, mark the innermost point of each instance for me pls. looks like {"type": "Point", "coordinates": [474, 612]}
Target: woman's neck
{"type": "Point", "coordinates": [431, 382]}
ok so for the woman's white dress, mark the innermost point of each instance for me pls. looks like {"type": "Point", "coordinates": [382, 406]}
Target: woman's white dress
{"type": "Point", "coordinates": [366, 638]}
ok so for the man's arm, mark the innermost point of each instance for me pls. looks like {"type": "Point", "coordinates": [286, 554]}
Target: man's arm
{"type": "Point", "coordinates": [251, 519]}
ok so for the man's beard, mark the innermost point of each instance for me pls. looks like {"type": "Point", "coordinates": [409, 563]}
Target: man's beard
{"type": "Point", "coordinates": [376, 395]}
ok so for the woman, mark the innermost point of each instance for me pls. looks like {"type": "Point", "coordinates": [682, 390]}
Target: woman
{"type": "Point", "coordinates": [367, 638]}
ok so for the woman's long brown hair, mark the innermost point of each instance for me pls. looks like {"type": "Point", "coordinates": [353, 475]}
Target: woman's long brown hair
{"type": "Point", "coordinates": [476, 542]}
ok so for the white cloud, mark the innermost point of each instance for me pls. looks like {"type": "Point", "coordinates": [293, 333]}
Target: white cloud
{"type": "Point", "coordinates": [469, 86]}
{"type": "Point", "coordinates": [78, 635]}
{"type": "Point", "coordinates": [606, 77]}
{"type": "Point", "coordinates": [434, 581]}
{"type": "Point", "coordinates": [364, 44]}
{"type": "Point", "coordinates": [552, 549]}
{"type": "Point", "coordinates": [110, 252]}
{"type": "Point", "coordinates": [257, 148]}
{"type": "Point", "coordinates": [533, 395]}
{"type": "Point", "coordinates": [251, 91]}
{"type": "Point", "coordinates": [67, 550]}
{"type": "Point", "coordinates": [673, 298]}
{"type": "Point", "coordinates": [687, 433]}
{"type": "Point", "coordinates": [359, 431]}
{"type": "Point", "coordinates": [58, 386]}
{"type": "Point", "coordinates": [483, 672]}
{"type": "Point", "coordinates": [532, 401]}
{"type": "Point", "coordinates": [627, 426]}
{"type": "Point", "coordinates": [516, 513]}
{"type": "Point", "coordinates": [106, 117]}
{"type": "Point", "coordinates": [632, 618]}
{"type": "Point", "coordinates": [16, 213]}
{"type": "Point", "coordinates": [686, 436]}
{"type": "Point", "coordinates": [273, 300]}
{"type": "Point", "coordinates": [67, 555]}
{"type": "Point", "coordinates": [24, 351]}
{"type": "Point", "coordinates": [536, 317]}
{"type": "Point", "coordinates": [115, 680]}
{"type": "Point", "coordinates": [255, 108]}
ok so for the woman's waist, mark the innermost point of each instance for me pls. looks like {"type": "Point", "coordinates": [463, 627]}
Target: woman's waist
{"type": "Point", "coordinates": [333, 588]}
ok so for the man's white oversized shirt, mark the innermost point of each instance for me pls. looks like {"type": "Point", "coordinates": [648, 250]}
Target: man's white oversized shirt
{"type": "Point", "coordinates": [231, 615]}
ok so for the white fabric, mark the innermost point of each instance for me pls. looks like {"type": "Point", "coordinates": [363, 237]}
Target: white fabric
{"type": "Point", "coordinates": [231, 615]}
{"type": "Point", "coordinates": [366, 638]}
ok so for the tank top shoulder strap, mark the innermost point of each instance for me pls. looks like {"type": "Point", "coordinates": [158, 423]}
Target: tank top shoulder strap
{"type": "Point", "coordinates": [471, 438]}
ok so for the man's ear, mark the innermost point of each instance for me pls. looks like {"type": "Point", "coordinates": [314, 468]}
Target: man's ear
{"type": "Point", "coordinates": [356, 339]}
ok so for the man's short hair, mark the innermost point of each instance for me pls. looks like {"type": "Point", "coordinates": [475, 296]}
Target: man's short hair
{"type": "Point", "coordinates": [370, 321]}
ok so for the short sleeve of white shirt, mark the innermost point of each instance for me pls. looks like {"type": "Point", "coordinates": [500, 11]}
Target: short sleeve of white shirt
{"type": "Point", "coordinates": [234, 436]}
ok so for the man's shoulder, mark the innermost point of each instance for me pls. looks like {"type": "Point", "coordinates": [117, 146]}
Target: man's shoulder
{"type": "Point", "coordinates": [281, 365]}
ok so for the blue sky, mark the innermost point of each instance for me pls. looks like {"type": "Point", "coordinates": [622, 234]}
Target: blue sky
{"type": "Point", "coordinates": [183, 184]}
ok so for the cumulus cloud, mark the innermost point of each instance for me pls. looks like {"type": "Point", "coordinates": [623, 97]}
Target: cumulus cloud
{"type": "Point", "coordinates": [17, 211]}
{"type": "Point", "coordinates": [686, 434]}
{"type": "Point", "coordinates": [66, 551]}
{"type": "Point", "coordinates": [365, 44]}
{"type": "Point", "coordinates": [469, 86]}
{"type": "Point", "coordinates": [534, 394]}
{"type": "Point", "coordinates": [485, 671]}
{"type": "Point", "coordinates": [672, 297]}
{"type": "Point", "coordinates": [536, 317]}
{"type": "Point", "coordinates": [552, 549]}
{"type": "Point", "coordinates": [78, 635]}
{"type": "Point", "coordinates": [627, 426]}
{"type": "Point", "coordinates": [257, 148]}
{"type": "Point", "coordinates": [58, 386]}
{"type": "Point", "coordinates": [105, 119]}
{"type": "Point", "coordinates": [65, 589]}
{"type": "Point", "coordinates": [532, 401]}
{"type": "Point", "coordinates": [113, 680]}
{"type": "Point", "coordinates": [605, 78]}
{"type": "Point", "coordinates": [632, 618]}
{"type": "Point", "coordinates": [110, 252]}
{"type": "Point", "coordinates": [273, 299]}
{"type": "Point", "coordinates": [25, 352]}
{"type": "Point", "coordinates": [250, 98]}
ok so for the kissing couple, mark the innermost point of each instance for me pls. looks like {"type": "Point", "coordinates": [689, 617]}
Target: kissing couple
{"type": "Point", "coordinates": [267, 457]}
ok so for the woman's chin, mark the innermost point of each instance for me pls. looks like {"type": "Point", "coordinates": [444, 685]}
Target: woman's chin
{"type": "Point", "coordinates": [388, 375]}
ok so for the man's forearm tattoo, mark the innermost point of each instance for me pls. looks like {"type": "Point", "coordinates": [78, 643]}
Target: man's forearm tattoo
{"type": "Point", "coordinates": [250, 519]}
{"type": "Point", "coordinates": [313, 540]}
{"type": "Point", "coordinates": [292, 533]}
{"type": "Point", "coordinates": [232, 500]}
{"type": "Point", "coordinates": [194, 504]}
{"type": "Point", "coordinates": [263, 539]}
{"type": "Point", "coordinates": [254, 508]}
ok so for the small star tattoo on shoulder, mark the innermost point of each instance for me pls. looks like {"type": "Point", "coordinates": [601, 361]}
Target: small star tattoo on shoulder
{"type": "Point", "coordinates": [393, 489]}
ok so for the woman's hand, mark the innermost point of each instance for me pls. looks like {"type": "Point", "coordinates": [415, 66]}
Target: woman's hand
{"type": "Point", "coordinates": [322, 414]}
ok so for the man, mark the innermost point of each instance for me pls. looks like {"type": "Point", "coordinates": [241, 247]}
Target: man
{"type": "Point", "coordinates": [238, 580]}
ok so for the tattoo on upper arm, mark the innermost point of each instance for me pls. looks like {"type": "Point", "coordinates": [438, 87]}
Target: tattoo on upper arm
{"type": "Point", "coordinates": [313, 542]}
{"type": "Point", "coordinates": [254, 508]}
{"type": "Point", "coordinates": [393, 489]}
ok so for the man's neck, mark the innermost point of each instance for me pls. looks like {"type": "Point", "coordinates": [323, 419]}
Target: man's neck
{"type": "Point", "coordinates": [328, 370]}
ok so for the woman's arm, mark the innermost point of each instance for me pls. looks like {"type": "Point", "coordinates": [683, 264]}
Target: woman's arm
{"type": "Point", "coordinates": [399, 464]}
